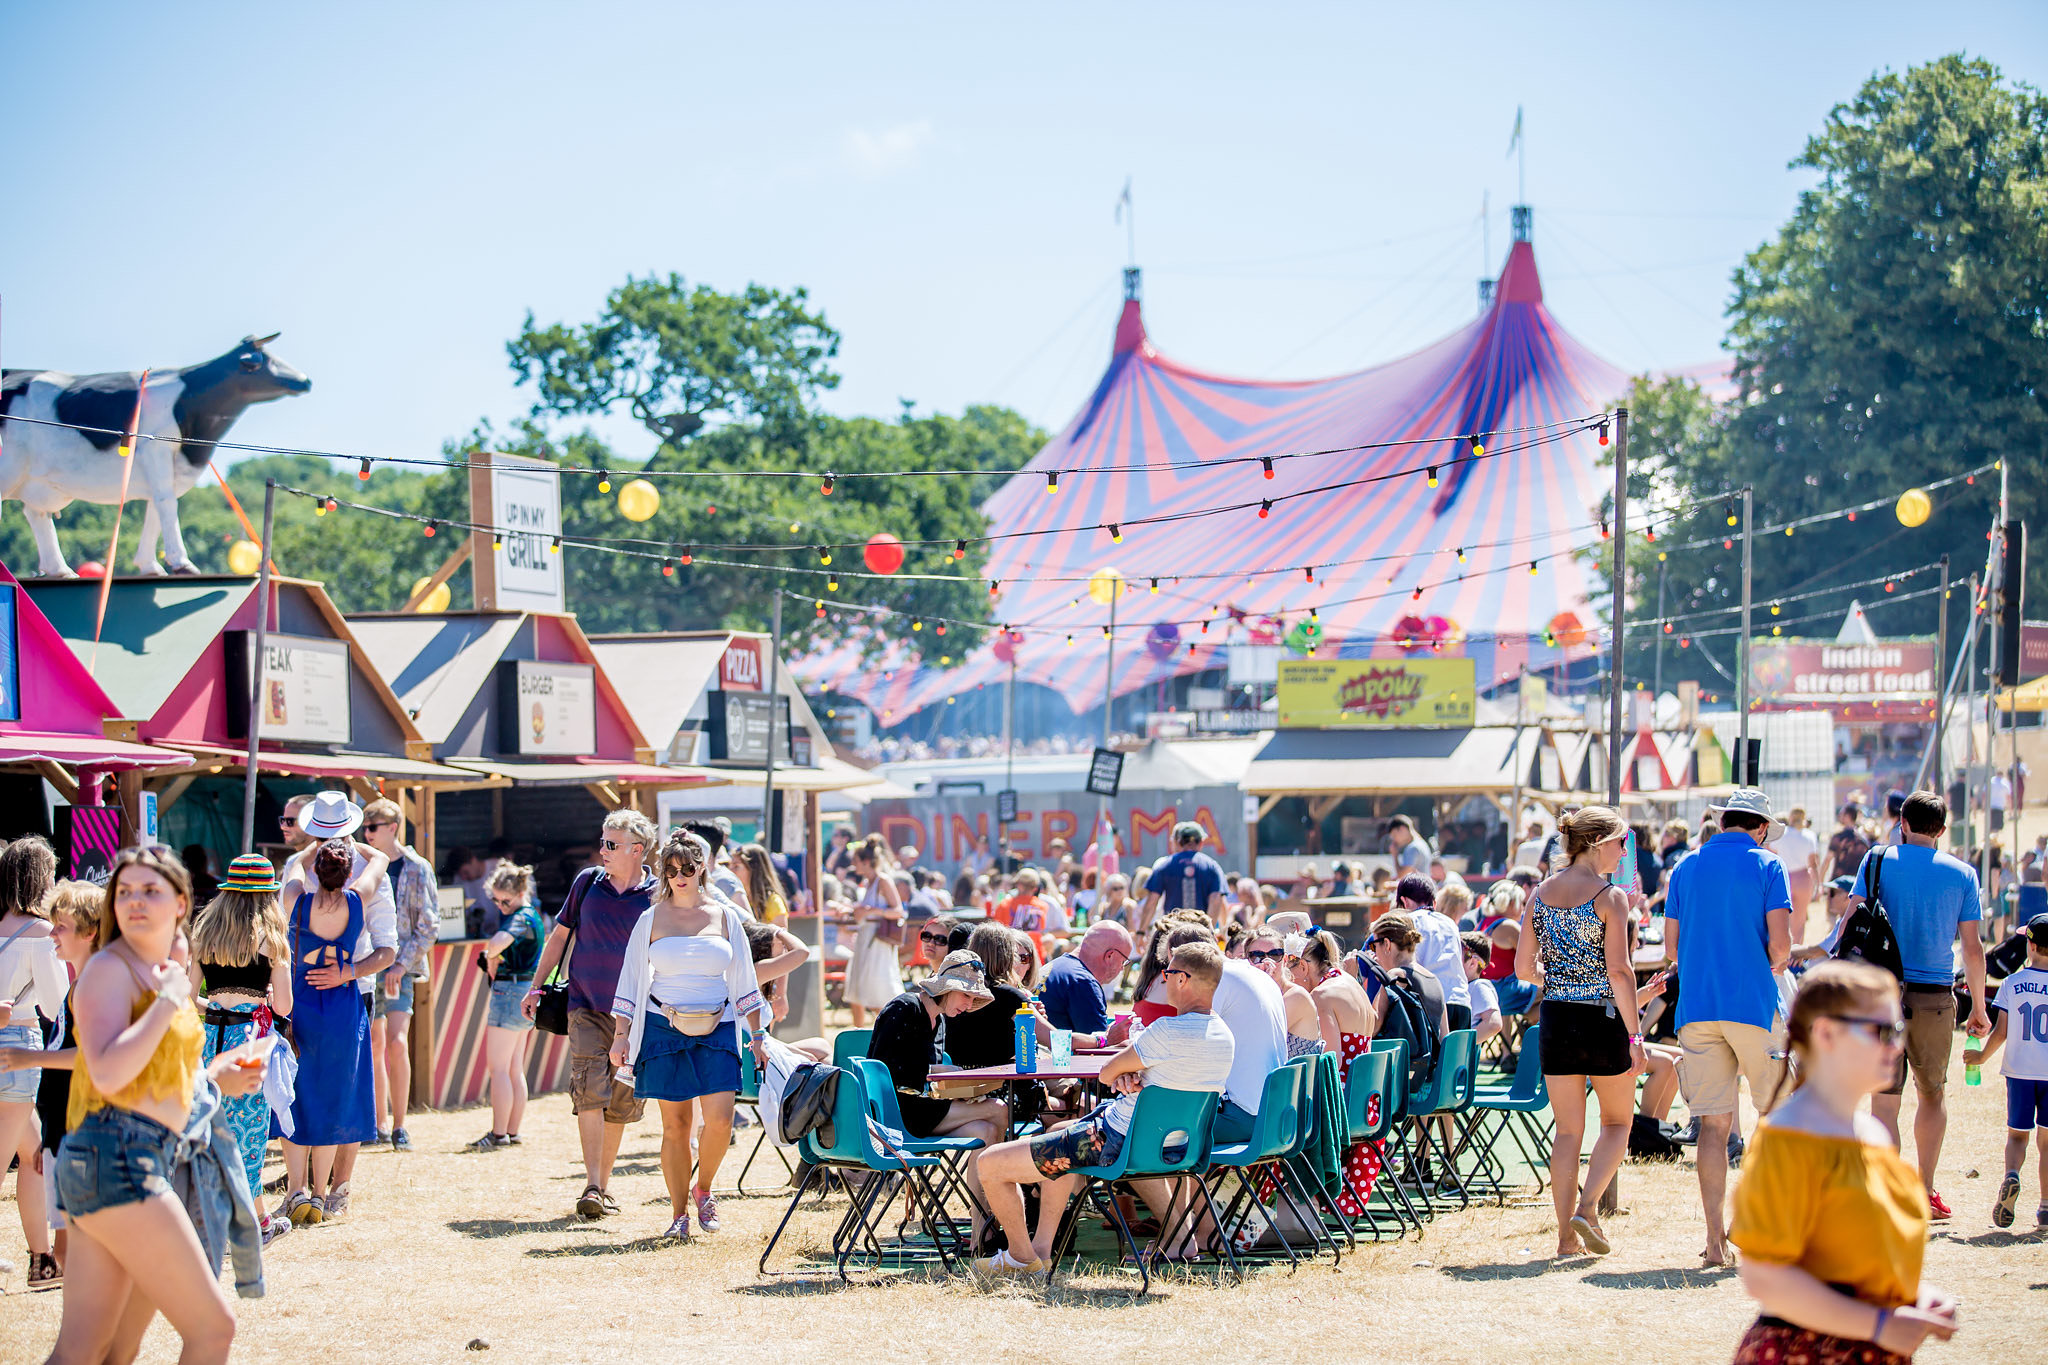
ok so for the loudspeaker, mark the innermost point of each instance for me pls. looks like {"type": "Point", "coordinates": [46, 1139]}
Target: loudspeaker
{"type": "Point", "coordinates": [2012, 578]}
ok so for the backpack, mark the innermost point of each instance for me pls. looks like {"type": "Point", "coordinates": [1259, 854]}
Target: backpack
{"type": "Point", "coordinates": [1867, 936]}
{"type": "Point", "coordinates": [1404, 1014]}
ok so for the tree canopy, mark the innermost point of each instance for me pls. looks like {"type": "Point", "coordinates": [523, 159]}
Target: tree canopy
{"type": "Point", "coordinates": [1893, 332]}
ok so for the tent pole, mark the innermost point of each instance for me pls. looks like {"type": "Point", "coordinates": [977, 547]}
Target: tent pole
{"type": "Point", "coordinates": [1619, 610]}
{"type": "Point", "coordinates": [767, 839]}
{"type": "Point", "coordinates": [256, 679]}
{"type": "Point", "coordinates": [1743, 776]}
{"type": "Point", "coordinates": [1940, 664]}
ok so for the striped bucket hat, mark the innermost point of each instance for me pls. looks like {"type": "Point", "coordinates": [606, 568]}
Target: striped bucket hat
{"type": "Point", "coordinates": [250, 872]}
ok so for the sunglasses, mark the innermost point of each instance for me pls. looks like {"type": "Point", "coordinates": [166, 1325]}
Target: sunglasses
{"type": "Point", "coordinates": [508, 902]}
{"type": "Point", "coordinates": [934, 938]}
{"type": "Point", "coordinates": [1266, 955]}
{"type": "Point", "coordinates": [377, 825]}
{"type": "Point", "coordinates": [610, 845]}
{"type": "Point", "coordinates": [1888, 1032]}
{"type": "Point", "coordinates": [1176, 971]}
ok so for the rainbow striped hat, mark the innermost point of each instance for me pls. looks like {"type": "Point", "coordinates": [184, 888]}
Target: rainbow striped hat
{"type": "Point", "coordinates": [250, 872]}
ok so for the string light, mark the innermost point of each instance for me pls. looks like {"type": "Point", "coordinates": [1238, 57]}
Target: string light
{"type": "Point", "coordinates": [1733, 518]}
{"type": "Point", "coordinates": [1116, 534]}
{"type": "Point", "coordinates": [1603, 431]}
{"type": "Point", "coordinates": [668, 571]}
{"type": "Point", "coordinates": [1312, 615]}
{"type": "Point", "coordinates": [959, 549]}
{"type": "Point", "coordinates": [1604, 533]}
{"type": "Point", "coordinates": [364, 472]}
{"type": "Point", "coordinates": [1267, 461]}
{"type": "Point", "coordinates": [1532, 568]}
{"type": "Point", "coordinates": [1478, 448]}
{"type": "Point", "coordinates": [1774, 608]}
{"type": "Point", "coordinates": [1461, 554]}
{"type": "Point", "coordinates": [1155, 587]}
{"type": "Point", "coordinates": [333, 505]}
{"type": "Point", "coordinates": [555, 546]}
{"type": "Point", "coordinates": [1265, 508]}
{"type": "Point", "coordinates": [831, 584]}
{"type": "Point", "coordinates": [994, 585]}
{"type": "Point", "coordinates": [1309, 573]}
{"type": "Point", "coordinates": [604, 481]}
{"type": "Point", "coordinates": [1432, 476]}
{"type": "Point", "coordinates": [1650, 534]}
{"type": "Point", "coordinates": [1415, 596]}
{"type": "Point", "coordinates": [1052, 481]}
{"type": "Point", "coordinates": [795, 526]}
{"type": "Point", "coordinates": [686, 556]}
{"type": "Point", "coordinates": [826, 487]}
{"type": "Point", "coordinates": [941, 628]}
{"type": "Point", "coordinates": [821, 609]}
{"type": "Point", "coordinates": [824, 558]}
{"type": "Point", "coordinates": [497, 540]}
{"type": "Point", "coordinates": [917, 625]}
{"type": "Point", "coordinates": [428, 530]}
{"type": "Point", "coordinates": [1070, 641]}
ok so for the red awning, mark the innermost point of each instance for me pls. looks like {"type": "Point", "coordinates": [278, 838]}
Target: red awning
{"type": "Point", "coordinates": [407, 771]}
{"type": "Point", "coordinates": [84, 751]}
{"type": "Point", "coordinates": [571, 772]}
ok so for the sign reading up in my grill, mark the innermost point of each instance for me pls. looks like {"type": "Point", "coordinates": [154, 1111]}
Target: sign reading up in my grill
{"type": "Point", "coordinates": [1327, 694]}
{"type": "Point", "coordinates": [546, 708]}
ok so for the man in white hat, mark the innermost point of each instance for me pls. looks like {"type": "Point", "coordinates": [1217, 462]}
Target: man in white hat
{"type": "Point", "coordinates": [1727, 925]}
{"type": "Point", "coordinates": [307, 823]}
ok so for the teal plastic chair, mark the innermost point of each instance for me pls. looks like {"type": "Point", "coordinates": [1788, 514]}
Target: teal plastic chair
{"type": "Point", "coordinates": [1170, 1135]}
{"type": "Point", "coordinates": [1448, 1093]}
{"type": "Point", "coordinates": [1516, 1111]}
{"type": "Point", "coordinates": [749, 1097]}
{"type": "Point", "coordinates": [1279, 1131]}
{"type": "Point", "coordinates": [849, 1044]}
{"type": "Point", "coordinates": [952, 1152]}
{"type": "Point", "coordinates": [1369, 1078]}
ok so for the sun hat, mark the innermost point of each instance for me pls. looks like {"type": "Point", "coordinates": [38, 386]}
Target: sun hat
{"type": "Point", "coordinates": [961, 971]}
{"type": "Point", "coordinates": [250, 872]}
{"type": "Point", "coordinates": [1845, 885]}
{"type": "Point", "coordinates": [1752, 801]}
{"type": "Point", "coordinates": [331, 816]}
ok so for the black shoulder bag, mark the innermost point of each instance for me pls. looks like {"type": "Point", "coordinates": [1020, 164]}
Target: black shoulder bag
{"type": "Point", "coordinates": [1868, 936]}
{"type": "Point", "coordinates": [551, 1013]}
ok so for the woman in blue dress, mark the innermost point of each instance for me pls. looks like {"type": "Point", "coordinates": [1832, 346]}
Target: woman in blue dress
{"type": "Point", "coordinates": [335, 1101]}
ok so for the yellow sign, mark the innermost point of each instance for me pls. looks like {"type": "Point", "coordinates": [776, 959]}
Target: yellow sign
{"type": "Point", "coordinates": [1332, 694]}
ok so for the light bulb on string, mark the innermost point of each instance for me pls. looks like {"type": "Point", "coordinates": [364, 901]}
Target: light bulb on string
{"type": "Point", "coordinates": [917, 625]}
{"type": "Point", "coordinates": [1415, 596]}
{"type": "Point", "coordinates": [1532, 567]}
{"type": "Point", "coordinates": [668, 571]}
{"type": "Point", "coordinates": [824, 557]}
{"type": "Point", "coordinates": [1052, 481]}
{"type": "Point", "coordinates": [994, 586]}
{"type": "Point", "coordinates": [795, 526]}
{"type": "Point", "coordinates": [1308, 572]}
{"type": "Point", "coordinates": [1604, 532]}
{"type": "Point", "coordinates": [1267, 461]}
{"type": "Point", "coordinates": [497, 540]}
{"type": "Point", "coordinates": [685, 560]}
{"type": "Point", "coordinates": [1461, 554]}
{"type": "Point", "coordinates": [604, 481]}
{"type": "Point", "coordinates": [940, 628]}
{"type": "Point", "coordinates": [1650, 534]}
{"type": "Point", "coordinates": [1116, 534]}
{"type": "Point", "coordinates": [1733, 519]}
{"type": "Point", "coordinates": [959, 549]}
{"type": "Point", "coordinates": [1155, 587]}
{"type": "Point", "coordinates": [1265, 508]}
{"type": "Point", "coordinates": [555, 546]}
{"type": "Point", "coordinates": [1774, 608]}
{"type": "Point", "coordinates": [1070, 641]}
{"type": "Point", "coordinates": [428, 530]}
{"type": "Point", "coordinates": [1432, 476]}
{"type": "Point", "coordinates": [1478, 447]}
{"type": "Point", "coordinates": [364, 472]}
{"type": "Point", "coordinates": [821, 609]}
{"type": "Point", "coordinates": [1603, 432]}
{"type": "Point", "coordinates": [831, 584]}
{"type": "Point", "coordinates": [826, 487]}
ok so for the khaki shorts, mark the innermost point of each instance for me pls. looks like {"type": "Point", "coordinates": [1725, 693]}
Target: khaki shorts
{"type": "Point", "coordinates": [1717, 1054]}
{"type": "Point", "coordinates": [1930, 1032]}
{"type": "Point", "coordinates": [590, 1070]}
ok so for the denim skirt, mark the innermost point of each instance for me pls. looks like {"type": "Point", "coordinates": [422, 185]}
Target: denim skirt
{"type": "Point", "coordinates": [675, 1066]}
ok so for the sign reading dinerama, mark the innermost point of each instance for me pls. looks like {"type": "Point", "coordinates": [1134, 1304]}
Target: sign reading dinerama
{"type": "Point", "coordinates": [1343, 694]}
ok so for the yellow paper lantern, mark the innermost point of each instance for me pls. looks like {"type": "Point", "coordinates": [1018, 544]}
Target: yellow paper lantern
{"type": "Point", "coordinates": [1106, 585]}
{"type": "Point", "coordinates": [245, 556]}
{"type": "Point", "coordinates": [1914, 507]}
{"type": "Point", "coordinates": [639, 501]}
{"type": "Point", "coordinates": [437, 600]}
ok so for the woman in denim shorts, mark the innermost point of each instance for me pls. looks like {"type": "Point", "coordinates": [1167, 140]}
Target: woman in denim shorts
{"type": "Point", "coordinates": [134, 1250]}
{"type": "Point", "coordinates": [508, 959]}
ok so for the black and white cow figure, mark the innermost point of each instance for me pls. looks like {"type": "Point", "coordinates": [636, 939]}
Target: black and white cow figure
{"type": "Point", "coordinates": [189, 410]}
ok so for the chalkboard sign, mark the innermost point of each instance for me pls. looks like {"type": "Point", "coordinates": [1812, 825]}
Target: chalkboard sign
{"type": "Point", "coordinates": [1105, 772]}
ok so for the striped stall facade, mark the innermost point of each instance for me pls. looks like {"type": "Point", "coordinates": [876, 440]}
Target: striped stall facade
{"type": "Point", "coordinates": [461, 1004]}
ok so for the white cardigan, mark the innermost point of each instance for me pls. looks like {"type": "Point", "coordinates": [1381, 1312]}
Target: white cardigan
{"type": "Point", "coordinates": [636, 979]}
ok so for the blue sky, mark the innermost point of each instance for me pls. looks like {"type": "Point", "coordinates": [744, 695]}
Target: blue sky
{"type": "Point", "coordinates": [393, 186]}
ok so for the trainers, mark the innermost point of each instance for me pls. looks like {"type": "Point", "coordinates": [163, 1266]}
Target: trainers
{"type": "Point", "coordinates": [382, 1137]}
{"type": "Point", "coordinates": [273, 1227]}
{"type": "Point", "coordinates": [489, 1142]}
{"type": "Point", "coordinates": [1689, 1136]}
{"type": "Point", "coordinates": [302, 1208]}
{"type": "Point", "coordinates": [2041, 1216]}
{"type": "Point", "coordinates": [337, 1200]}
{"type": "Point", "coordinates": [2008, 1200]}
{"type": "Point", "coordinates": [1002, 1266]}
{"type": "Point", "coordinates": [401, 1141]}
{"type": "Point", "coordinates": [678, 1228]}
{"type": "Point", "coordinates": [591, 1203]}
{"type": "Point", "coordinates": [1938, 1208]}
{"type": "Point", "coordinates": [707, 1211]}
{"type": "Point", "coordinates": [511, 1139]}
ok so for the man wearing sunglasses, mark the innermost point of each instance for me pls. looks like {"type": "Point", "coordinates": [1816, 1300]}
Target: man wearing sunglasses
{"type": "Point", "coordinates": [603, 905]}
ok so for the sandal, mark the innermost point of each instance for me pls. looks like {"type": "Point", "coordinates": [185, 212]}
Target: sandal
{"type": "Point", "coordinates": [1593, 1238]}
{"type": "Point", "coordinates": [43, 1271]}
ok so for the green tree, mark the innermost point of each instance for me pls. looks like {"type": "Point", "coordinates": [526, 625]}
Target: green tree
{"type": "Point", "coordinates": [1893, 332]}
{"type": "Point", "coordinates": [678, 357]}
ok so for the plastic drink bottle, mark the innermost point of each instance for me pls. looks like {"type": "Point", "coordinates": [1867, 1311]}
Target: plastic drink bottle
{"type": "Point", "coordinates": [1973, 1063]}
{"type": "Point", "coordinates": [1026, 1022]}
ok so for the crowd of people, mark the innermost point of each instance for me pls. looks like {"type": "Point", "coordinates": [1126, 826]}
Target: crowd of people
{"type": "Point", "coordinates": [153, 1045]}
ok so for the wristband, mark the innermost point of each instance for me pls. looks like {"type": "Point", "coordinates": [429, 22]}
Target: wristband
{"type": "Point", "coordinates": [1635, 1040]}
{"type": "Point", "coordinates": [1884, 1315]}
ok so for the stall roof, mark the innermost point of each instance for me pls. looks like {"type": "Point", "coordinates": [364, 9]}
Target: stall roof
{"type": "Point", "coordinates": [408, 770]}
{"type": "Point", "coordinates": [662, 678]}
{"type": "Point", "coordinates": [831, 775]}
{"type": "Point", "coordinates": [1410, 762]}
{"type": "Point", "coordinates": [579, 773]}
{"type": "Point", "coordinates": [83, 751]}
{"type": "Point", "coordinates": [1162, 764]}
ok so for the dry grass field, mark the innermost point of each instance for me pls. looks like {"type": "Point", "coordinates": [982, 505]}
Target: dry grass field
{"type": "Point", "coordinates": [445, 1246]}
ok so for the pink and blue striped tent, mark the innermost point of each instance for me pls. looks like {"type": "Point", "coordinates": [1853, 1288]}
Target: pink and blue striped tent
{"type": "Point", "coordinates": [1186, 443]}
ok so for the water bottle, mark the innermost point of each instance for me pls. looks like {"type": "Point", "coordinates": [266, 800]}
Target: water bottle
{"type": "Point", "coordinates": [1062, 1048]}
{"type": "Point", "coordinates": [1973, 1062]}
{"type": "Point", "coordinates": [1027, 1040]}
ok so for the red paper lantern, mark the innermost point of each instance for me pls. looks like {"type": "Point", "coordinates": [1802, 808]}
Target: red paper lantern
{"type": "Point", "coordinates": [883, 553]}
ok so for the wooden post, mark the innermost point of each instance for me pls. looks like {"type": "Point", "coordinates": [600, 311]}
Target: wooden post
{"type": "Point", "coordinates": [807, 983]}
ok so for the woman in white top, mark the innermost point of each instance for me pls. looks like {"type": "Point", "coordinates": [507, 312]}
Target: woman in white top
{"type": "Point", "coordinates": [686, 982]}
{"type": "Point", "coordinates": [1800, 853]}
{"type": "Point", "coordinates": [32, 982]}
{"type": "Point", "coordinates": [872, 980]}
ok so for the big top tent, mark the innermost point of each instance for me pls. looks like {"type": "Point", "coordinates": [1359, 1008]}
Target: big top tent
{"type": "Point", "coordinates": [1172, 458]}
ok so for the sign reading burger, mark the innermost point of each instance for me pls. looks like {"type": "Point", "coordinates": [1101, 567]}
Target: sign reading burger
{"type": "Point", "coordinates": [1344, 694]}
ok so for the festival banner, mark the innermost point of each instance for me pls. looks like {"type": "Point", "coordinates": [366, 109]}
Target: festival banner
{"type": "Point", "coordinates": [1330, 694]}
{"type": "Point", "coordinates": [1887, 680]}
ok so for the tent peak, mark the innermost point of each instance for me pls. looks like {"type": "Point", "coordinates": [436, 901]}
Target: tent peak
{"type": "Point", "coordinates": [1519, 282]}
{"type": "Point", "coordinates": [1130, 327]}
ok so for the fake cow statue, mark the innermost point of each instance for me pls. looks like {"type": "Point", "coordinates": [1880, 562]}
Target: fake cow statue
{"type": "Point", "coordinates": [69, 448]}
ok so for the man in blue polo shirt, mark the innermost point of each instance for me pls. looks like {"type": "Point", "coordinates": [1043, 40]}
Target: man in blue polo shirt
{"type": "Point", "coordinates": [1727, 924]}
{"type": "Point", "coordinates": [1073, 993]}
{"type": "Point", "coordinates": [1929, 897]}
{"type": "Point", "coordinates": [1189, 880]}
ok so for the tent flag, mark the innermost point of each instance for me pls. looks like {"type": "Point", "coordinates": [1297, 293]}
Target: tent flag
{"type": "Point", "coordinates": [1512, 376]}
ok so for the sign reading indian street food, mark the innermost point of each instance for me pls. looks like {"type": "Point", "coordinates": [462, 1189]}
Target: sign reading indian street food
{"type": "Point", "coordinates": [1332, 694]}
{"type": "Point", "coordinates": [1891, 679]}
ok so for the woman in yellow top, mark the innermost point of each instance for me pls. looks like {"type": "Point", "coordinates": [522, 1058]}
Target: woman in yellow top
{"type": "Point", "coordinates": [134, 1250]}
{"type": "Point", "coordinates": [763, 884]}
{"type": "Point", "coordinates": [1830, 1221]}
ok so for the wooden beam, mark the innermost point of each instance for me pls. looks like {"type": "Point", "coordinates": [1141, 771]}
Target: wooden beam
{"type": "Point", "coordinates": [58, 778]}
{"type": "Point", "coordinates": [442, 574]}
{"type": "Point", "coordinates": [1266, 806]}
{"type": "Point", "coordinates": [174, 789]}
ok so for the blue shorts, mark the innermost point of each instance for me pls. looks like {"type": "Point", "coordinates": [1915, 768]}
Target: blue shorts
{"type": "Point", "coordinates": [19, 1087]}
{"type": "Point", "coordinates": [401, 1004]}
{"type": "Point", "coordinates": [506, 998]}
{"type": "Point", "coordinates": [113, 1157]}
{"type": "Point", "coordinates": [2026, 1104]}
{"type": "Point", "coordinates": [1234, 1122]}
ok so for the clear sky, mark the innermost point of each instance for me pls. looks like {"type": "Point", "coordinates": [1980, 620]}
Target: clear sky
{"type": "Point", "coordinates": [394, 186]}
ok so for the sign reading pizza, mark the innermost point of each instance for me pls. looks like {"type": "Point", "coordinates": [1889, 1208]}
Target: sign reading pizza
{"type": "Point", "coordinates": [1332, 694]}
